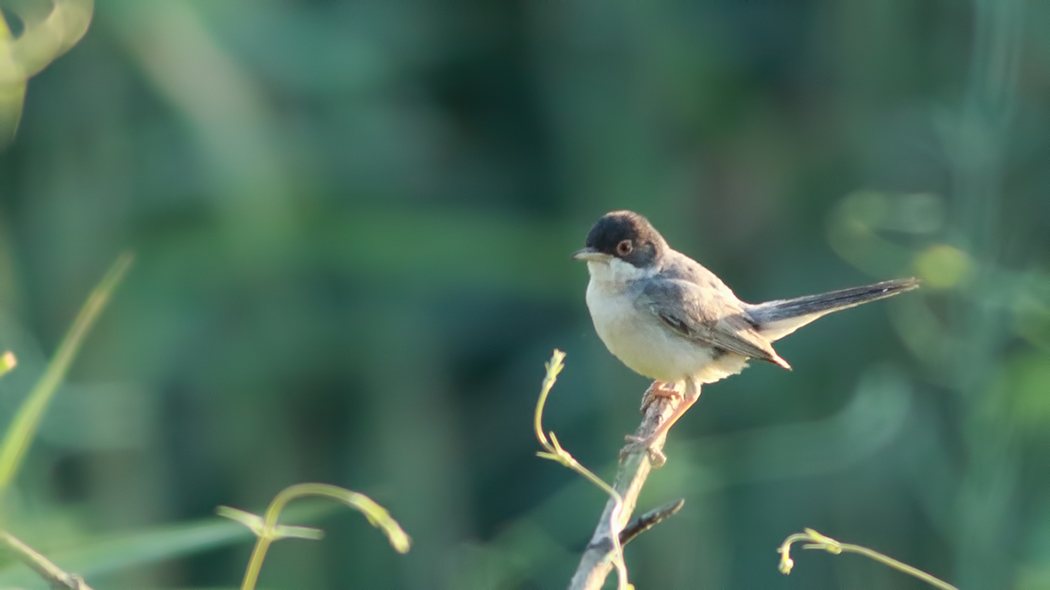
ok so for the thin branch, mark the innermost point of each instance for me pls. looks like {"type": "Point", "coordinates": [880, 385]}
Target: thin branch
{"type": "Point", "coordinates": [52, 574]}
{"type": "Point", "coordinates": [640, 524]}
{"type": "Point", "coordinates": [635, 464]}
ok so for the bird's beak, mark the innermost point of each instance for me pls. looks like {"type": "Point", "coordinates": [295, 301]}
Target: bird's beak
{"type": "Point", "coordinates": [589, 255]}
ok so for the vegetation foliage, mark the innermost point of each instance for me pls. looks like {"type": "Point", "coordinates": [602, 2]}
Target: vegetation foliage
{"type": "Point", "coordinates": [351, 223]}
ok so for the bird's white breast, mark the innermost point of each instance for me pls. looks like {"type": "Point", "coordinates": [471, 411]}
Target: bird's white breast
{"type": "Point", "coordinates": [639, 338]}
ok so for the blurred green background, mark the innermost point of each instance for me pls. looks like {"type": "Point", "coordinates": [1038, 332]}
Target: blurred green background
{"type": "Point", "coordinates": [353, 221]}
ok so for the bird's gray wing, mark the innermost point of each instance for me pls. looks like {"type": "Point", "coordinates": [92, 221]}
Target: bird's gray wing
{"type": "Point", "coordinates": [707, 317]}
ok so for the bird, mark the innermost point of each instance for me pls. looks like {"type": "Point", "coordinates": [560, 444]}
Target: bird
{"type": "Point", "coordinates": [668, 318]}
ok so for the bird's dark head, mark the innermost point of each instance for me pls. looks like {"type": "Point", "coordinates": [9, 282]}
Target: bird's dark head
{"type": "Point", "coordinates": [624, 235]}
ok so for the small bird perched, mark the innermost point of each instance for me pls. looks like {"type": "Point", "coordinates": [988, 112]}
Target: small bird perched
{"type": "Point", "coordinates": [670, 319]}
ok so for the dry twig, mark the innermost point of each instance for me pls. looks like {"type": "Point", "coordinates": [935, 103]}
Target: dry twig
{"type": "Point", "coordinates": [55, 577]}
{"type": "Point", "coordinates": [635, 464]}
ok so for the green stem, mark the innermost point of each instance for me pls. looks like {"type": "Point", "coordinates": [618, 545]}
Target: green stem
{"type": "Point", "coordinates": [815, 540]}
{"type": "Point", "coordinates": [554, 366]}
{"type": "Point", "coordinates": [897, 565]}
{"type": "Point", "coordinates": [376, 514]}
{"type": "Point", "coordinates": [556, 453]}
{"type": "Point", "coordinates": [251, 575]}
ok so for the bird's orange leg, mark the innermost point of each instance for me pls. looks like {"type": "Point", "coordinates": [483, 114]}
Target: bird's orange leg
{"type": "Point", "coordinates": [634, 443]}
{"type": "Point", "coordinates": [657, 390]}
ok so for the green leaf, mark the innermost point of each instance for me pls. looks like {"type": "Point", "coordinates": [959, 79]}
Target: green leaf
{"type": "Point", "coordinates": [114, 553]}
{"type": "Point", "coordinates": [255, 524]}
{"type": "Point", "coordinates": [25, 423]}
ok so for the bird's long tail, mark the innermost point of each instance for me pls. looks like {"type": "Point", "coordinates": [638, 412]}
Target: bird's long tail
{"type": "Point", "coordinates": [776, 319]}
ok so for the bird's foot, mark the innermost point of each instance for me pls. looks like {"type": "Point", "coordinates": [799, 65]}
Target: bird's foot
{"type": "Point", "coordinates": [637, 444]}
{"type": "Point", "coordinates": [657, 390]}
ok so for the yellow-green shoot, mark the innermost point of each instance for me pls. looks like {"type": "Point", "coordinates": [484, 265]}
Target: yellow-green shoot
{"type": "Point", "coordinates": [267, 530]}
{"type": "Point", "coordinates": [556, 453]}
{"type": "Point", "coordinates": [814, 540]}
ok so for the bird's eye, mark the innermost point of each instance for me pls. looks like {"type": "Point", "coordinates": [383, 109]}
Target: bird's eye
{"type": "Point", "coordinates": [624, 248]}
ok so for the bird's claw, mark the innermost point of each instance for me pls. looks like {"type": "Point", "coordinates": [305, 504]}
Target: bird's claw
{"type": "Point", "coordinates": [643, 443]}
{"type": "Point", "coordinates": [657, 390]}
